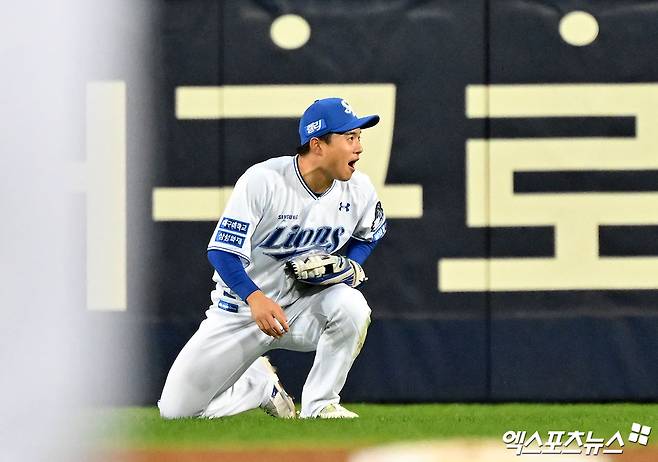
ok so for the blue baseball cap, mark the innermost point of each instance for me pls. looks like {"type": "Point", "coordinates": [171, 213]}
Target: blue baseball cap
{"type": "Point", "coordinates": [331, 115]}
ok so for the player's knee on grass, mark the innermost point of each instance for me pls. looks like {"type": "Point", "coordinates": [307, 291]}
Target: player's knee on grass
{"type": "Point", "coordinates": [170, 409]}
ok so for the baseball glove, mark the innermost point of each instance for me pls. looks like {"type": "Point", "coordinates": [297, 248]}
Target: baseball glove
{"type": "Point", "coordinates": [325, 270]}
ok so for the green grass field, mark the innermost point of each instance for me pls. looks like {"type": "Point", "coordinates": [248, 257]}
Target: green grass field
{"type": "Point", "coordinates": [142, 427]}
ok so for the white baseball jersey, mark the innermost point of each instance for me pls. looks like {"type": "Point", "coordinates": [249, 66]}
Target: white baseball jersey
{"type": "Point", "coordinates": [273, 216]}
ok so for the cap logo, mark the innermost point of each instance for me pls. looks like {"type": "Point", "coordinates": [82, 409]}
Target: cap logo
{"type": "Point", "coordinates": [315, 126]}
{"type": "Point", "coordinates": [348, 108]}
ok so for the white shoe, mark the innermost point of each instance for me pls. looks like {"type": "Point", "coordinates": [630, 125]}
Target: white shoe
{"type": "Point", "coordinates": [336, 411]}
{"type": "Point", "coordinates": [279, 403]}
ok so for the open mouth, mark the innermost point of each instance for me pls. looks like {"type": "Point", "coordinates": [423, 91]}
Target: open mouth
{"type": "Point", "coordinates": [352, 164]}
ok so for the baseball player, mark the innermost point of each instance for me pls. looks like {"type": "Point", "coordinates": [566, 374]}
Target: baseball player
{"type": "Point", "coordinates": [281, 282]}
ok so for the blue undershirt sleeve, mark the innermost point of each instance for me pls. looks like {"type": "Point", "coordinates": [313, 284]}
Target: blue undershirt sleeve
{"type": "Point", "coordinates": [359, 250]}
{"type": "Point", "coordinates": [230, 269]}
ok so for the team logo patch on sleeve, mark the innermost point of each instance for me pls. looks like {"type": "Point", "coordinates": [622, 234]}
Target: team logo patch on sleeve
{"type": "Point", "coordinates": [380, 232]}
{"type": "Point", "coordinates": [378, 226]}
{"type": "Point", "coordinates": [379, 217]}
{"type": "Point", "coordinates": [231, 224]}
{"type": "Point", "coordinates": [229, 238]}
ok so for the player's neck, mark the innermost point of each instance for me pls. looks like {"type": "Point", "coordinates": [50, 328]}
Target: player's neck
{"type": "Point", "coordinates": [313, 175]}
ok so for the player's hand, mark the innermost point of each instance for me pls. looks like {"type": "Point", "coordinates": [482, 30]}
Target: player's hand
{"type": "Point", "coordinates": [268, 314]}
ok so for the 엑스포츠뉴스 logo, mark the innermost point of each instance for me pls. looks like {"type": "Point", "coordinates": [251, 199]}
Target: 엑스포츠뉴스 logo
{"type": "Point", "coordinates": [639, 434]}
{"type": "Point", "coordinates": [573, 442]}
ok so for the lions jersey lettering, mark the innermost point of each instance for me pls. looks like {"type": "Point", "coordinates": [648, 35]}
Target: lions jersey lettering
{"type": "Point", "coordinates": [301, 241]}
{"type": "Point", "coordinates": [276, 217]}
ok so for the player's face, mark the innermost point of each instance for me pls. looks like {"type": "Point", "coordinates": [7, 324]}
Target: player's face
{"type": "Point", "coordinates": [343, 151]}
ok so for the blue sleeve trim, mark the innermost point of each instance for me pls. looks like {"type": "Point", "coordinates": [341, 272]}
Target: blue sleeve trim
{"type": "Point", "coordinates": [358, 250]}
{"type": "Point", "coordinates": [234, 252]}
{"type": "Point", "coordinates": [230, 269]}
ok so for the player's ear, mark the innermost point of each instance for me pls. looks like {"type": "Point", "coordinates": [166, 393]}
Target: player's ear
{"type": "Point", "coordinates": [314, 144]}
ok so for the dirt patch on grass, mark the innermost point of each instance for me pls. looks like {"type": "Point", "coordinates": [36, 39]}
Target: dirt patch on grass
{"type": "Point", "coordinates": [649, 454]}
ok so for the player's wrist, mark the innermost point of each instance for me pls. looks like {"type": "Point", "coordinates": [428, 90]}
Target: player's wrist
{"type": "Point", "coordinates": [254, 296]}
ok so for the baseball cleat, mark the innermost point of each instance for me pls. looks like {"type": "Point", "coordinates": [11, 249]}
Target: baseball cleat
{"type": "Point", "coordinates": [336, 411]}
{"type": "Point", "coordinates": [279, 404]}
